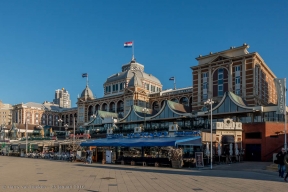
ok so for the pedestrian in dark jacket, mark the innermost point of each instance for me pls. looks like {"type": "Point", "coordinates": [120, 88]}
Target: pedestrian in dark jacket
{"type": "Point", "coordinates": [286, 166]}
{"type": "Point", "coordinates": [280, 158]}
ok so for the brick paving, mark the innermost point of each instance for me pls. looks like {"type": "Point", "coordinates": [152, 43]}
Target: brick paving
{"type": "Point", "coordinates": [25, 174]}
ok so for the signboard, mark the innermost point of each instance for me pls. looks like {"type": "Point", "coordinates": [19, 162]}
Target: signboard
{"type": "Point", "coordinates": [199, 159]}
{"type": "Point", "coordinates": [281, 95]}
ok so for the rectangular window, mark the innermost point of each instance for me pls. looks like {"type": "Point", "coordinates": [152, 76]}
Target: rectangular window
{"type": "Point", "coordinates": [113, 88]}
{"type": "Point", "coordinates": [205, 97]}
{"type": "Point", "coordinates": [237, 80]}
{"type": "Point", "coordinates": [121, 86]}
{"type": "Point", "coordinates": [109, 88]}
{"type": "Point", "coordinates": [147, 86]}
{"type": "Point", "coordinates": [205, 75]}
{"type": "Point", "coordinates": [237, 68]}
{"type": "Point", "coordinates": [220, 90]}
{"type": "Point", "coordinates": [253, 135]}
{"type": "Point", "coordinates": [205, 85]}
{"type": "Point", "coordinates": [237, 91]}
{"type": "Point", "coordinates": [220, 76]}
{"type": "Point", "coordinates": [116, 87]}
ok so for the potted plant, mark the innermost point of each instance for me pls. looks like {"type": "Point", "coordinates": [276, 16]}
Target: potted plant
{"type": "Point", "coordinates": [175, 156]}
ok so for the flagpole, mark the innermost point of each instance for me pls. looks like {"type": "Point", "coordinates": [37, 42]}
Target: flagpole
{"type": "Point", "coordinates": [285, 118]}
{"type": "Point", "coordinates": [87, 80]}
{"type": "Point", "coordinates": [174, 83]}
{"type": "Point", "coordinates": [132, 50]}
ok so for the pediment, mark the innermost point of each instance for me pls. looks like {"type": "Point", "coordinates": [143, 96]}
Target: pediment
{"type": "Point", "coordinates": [219, 58]}
{"type": "Point", "coordinates": [142, 92]}
{"type": "Point", "coordinates": [128, 91]}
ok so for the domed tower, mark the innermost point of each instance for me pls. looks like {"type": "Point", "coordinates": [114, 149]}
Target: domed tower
{"type": "Point", "coordinates": [134, 83]}
{"type": "Point", "coordinates": [116, 83]}
{"type": "Point", "coordinates": [87, 94]}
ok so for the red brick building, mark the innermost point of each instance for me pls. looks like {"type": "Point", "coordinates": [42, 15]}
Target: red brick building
{"type": "Point", "coordinates": [261, 140]}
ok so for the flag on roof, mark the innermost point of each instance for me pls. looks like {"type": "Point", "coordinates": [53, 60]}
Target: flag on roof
{"type": "Point", "coordinates": [84, 74]}
{"type": "Point", "coordinates": [128, 44]}
{"type": "Point", "coordinates": [172, 78]}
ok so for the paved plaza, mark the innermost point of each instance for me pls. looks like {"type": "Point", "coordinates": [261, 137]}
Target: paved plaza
{"type": "Point", "coordinates": [26, 174]}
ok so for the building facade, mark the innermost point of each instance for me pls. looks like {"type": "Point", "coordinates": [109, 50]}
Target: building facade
{"type": "Point", "coordinates": [5, 113]}
{"type": "Point", "coordinates": [62, 98]}
{"type": "Point", "coordinates": [235, 70]}
{"type": "Point", "coordinates": [240, 83]}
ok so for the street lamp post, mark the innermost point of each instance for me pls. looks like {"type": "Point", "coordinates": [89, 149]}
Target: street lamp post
{"type": "Point", "coordinates": [4, 127]}
{"type": "Point", "coordinates": [210, 102]}
{"type": "Point", "coordinates": [26, 134]}
{"type": "Point", "coordinates": [66, 128]}
{"type": "Point", "coordinates": [60, 123]}
{"type": "Point", "coordinates": [41, 128]}
{"type": "Point", "coordinates": [93, 117]}
{"type": "Point", "coordinates": [145, 110]}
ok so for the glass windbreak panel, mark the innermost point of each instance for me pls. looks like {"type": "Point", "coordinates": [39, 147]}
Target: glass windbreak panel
{"type": "Point", "coordinates": [227, 104]}
{"type": "Point", "coordinates": [233, 107]}
{"type": "Point", "coordinates": [221, 109]}
{"type": "Point", "coordinates": [257, 118]}
{"type": "Point", "coordinates": [246, 119]}
{"type": "Point", "coordinates": [98, 120]}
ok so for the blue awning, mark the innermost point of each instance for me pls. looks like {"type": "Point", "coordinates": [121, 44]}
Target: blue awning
{"type": "Point", "coordinates": [143, 142]}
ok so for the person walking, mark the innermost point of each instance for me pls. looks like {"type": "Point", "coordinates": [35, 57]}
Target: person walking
{"type": "Point", "coordinates": [280, 158]}
{"type": "Point", "coordinates": [286, 166]}
{"type": "Point", "coordinates": [87, 156]}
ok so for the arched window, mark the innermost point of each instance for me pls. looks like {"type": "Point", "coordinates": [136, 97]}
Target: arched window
{"type": "Point", "coordinates": [175, 100]}
{"type": "Point", "coordinates": [156, 106]}
{"type": "Point", "coordinates": [90, 112]}
{"type": "Point", "coordinates": [184, 101]}
{"type": "Point", "coordinates": [104, 107]}
{"type": "Point", "coordinates": [112, 107]}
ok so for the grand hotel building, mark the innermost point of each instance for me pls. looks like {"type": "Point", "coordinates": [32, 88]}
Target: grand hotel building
{"type": "Point", "coordinates": [240, 83]}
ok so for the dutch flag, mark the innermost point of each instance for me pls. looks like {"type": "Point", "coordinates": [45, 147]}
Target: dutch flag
{"type": "Point", "coordinates": [128, 44]}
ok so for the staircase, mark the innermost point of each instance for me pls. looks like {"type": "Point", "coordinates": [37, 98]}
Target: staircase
{"type": "Point", "coordinates": [273, 167]}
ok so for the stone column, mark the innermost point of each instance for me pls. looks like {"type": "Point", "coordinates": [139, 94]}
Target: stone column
{"type": "Point", "coordinates": [210, 83]}
{"type": "Point", "coordinates": [230, 76]}
{"type": "Point", "coordinates": [199, 86]}
{"type": "Point", "coordinates": [254, 82]}
{"type": "Point", "coordinates": [243, 82]}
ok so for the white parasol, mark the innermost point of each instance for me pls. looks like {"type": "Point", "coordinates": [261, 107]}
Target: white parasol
{"type": "Point", "coordinates": [207, 152]}
{"type": "Point", "coordinates": [231, 149]}
{"type": "Point", "coordinates": [219, 149]}
{"type": "Point", "coordinates": [236, 149]}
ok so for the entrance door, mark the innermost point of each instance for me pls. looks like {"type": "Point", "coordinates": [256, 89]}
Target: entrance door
{"type": "Point", "coordinates": [253, 152]}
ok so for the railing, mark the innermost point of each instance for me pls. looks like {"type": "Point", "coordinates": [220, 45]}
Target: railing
{"type": "Point", "coordinates": [274, 151]}
{"type": "Point", "coordinates": [84, 136]}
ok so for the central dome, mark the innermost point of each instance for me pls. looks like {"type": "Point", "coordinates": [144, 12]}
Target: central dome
{"type": "Point", "coordinates": [128, 71]}
{"type": "Point", "coordinates": [87, 93]}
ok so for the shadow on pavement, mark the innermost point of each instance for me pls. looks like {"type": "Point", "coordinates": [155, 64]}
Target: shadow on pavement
{"type": "Point", "coordinates": [244, 170]}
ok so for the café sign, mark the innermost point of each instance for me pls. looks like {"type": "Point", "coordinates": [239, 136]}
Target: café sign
{"type": "Point", "coordinates": [281, 90]}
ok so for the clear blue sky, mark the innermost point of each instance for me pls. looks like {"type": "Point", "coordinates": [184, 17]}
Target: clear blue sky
{"type": "Point", "coordinates": [46, 45]}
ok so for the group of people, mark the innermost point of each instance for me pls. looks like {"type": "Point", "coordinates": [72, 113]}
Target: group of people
{"type": "Point", "coordinates": [88, 155]}
{"type": "Point", "coordinates": [282, 161]}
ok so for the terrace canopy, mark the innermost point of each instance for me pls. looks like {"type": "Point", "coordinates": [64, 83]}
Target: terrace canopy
{"type": "Point", "coordinates": [144, 142]}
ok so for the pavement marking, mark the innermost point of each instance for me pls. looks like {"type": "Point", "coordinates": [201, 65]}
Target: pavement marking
{"type": "Point", "coordinates": [107, 178]}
